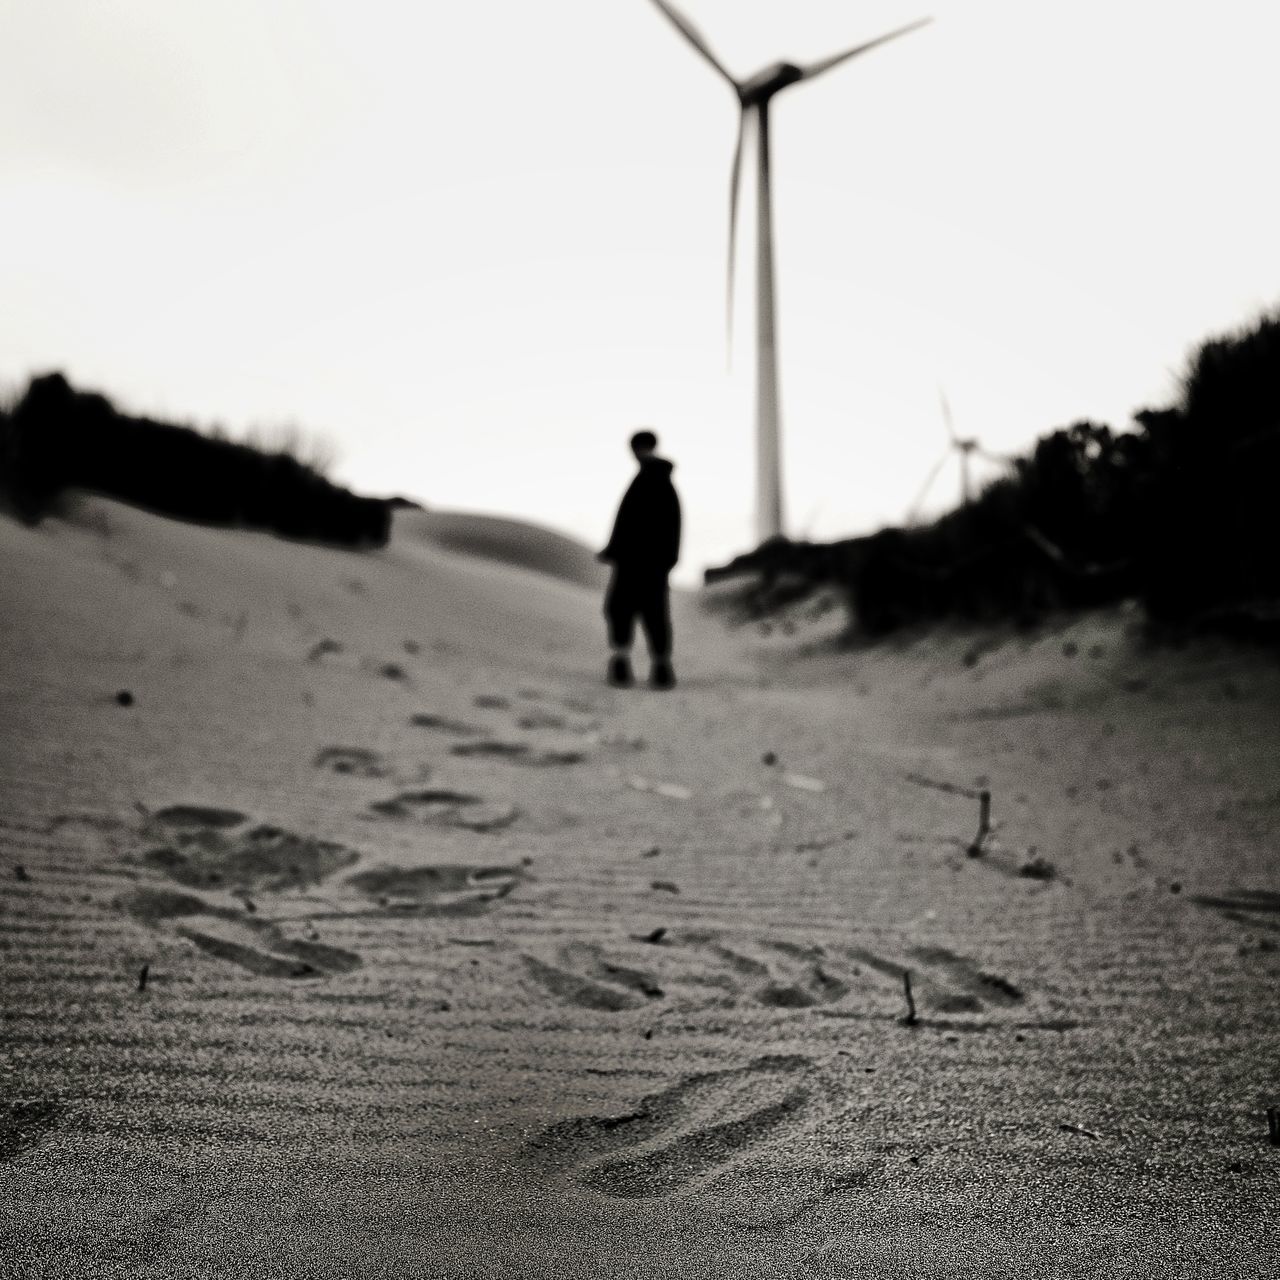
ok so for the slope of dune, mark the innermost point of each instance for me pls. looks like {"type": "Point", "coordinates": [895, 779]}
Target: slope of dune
{"type": "Point", "coordinates": [350, 927]}
{"type": "Point", "coordinates": [513, 542]}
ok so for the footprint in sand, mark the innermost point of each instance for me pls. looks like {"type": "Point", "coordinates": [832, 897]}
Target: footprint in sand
{"type": "Point", "coordinates": [788, 975]}
{"type": "Point", "coordinates": [584, 977]}
{"type": "Point", "coordinates": [969, 988]}
{"type": "Point", "coordinates": [570, 701]}
{"type": "Point", "coordinates": [551, 720]}
{"type": "Point", "coordinates": [24, 1123]}
{"type": "Point", "coordinates": [359, 762]}
{"type": "Point", "coordinates": [441, 890]}
{"type": "Point", "coordinates": [794, 977]}
{"type": "Point", "coordinates": [980, 986]}
{"type": "Point", "coordinates": [211, 848]}
{"type": "Point", "coordinates": [541, 719]}
{"type": "Point", "coordinates": [256, 945]}
{"type": "Point", "coordinates": [490, 747]}
{"type": "Point", "coordinates": [1245, 906]}
{"type": "Point", "coordinates": [810, 983]}
{"type": "Point", "coordinates": [446, 808]}
{"type": "Point", "coordinates": [442, 724]}
{"type": "Point", "coordinates": [517, 752]}
{"type": "Point", "coordinates": [96, 833]}
{"type": "Point", "coordinates": [680, 1135]}
{"type": "Point", "coordinates": [193, 816]}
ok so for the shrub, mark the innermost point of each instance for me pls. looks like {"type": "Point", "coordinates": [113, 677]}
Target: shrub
{"type": "Point", "coordinates": [57, 438]}
{"type": "Point", "coordinates": [1180, 512]}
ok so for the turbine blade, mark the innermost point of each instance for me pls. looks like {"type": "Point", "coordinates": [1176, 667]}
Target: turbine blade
{"type": "Point", "coordinates": [1003, 458]}
{"type": "Point", "coordinates": [946, 416]}
{"type": "Point", "coordinates": [735, 177]}
{"type": "Point", "coordinates": [694, 37]}
{"type": "Point", "coordinates": [924, 488]}
{"type": "Point", "coordinates": [817, 68]}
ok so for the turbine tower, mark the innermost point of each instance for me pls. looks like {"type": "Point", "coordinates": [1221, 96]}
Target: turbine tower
{"type": "Point", "coordinates": [754, 96]}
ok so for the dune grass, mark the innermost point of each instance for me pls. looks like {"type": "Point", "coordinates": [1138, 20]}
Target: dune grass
{"type": "Point", "coordinates": [54, 438]}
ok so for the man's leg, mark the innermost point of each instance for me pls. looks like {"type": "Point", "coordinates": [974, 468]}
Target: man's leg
{"type": "Point", "coordinates": [655, 617]}
{"type": "Point", "coordinates": [620, 613]}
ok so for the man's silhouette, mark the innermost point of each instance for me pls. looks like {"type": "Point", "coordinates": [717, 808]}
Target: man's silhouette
{"type": "Point", "coordinates": [643, 549]}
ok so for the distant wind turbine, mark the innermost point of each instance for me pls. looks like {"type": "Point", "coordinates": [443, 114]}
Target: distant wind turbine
{"type": "Point", "coordinates": [754, 96]}
{"type": "Point", "coordinates": [965, 447]}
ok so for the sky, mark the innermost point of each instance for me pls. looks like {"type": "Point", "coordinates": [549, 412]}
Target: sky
{"type": "Point", "coordinates": [469, 248]}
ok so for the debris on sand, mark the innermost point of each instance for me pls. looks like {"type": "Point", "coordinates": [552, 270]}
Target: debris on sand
{"type": "Point", "coordinates": [984, 824]}
{"type": "Point", "coordinates": [1038, 868]}
{"type": "Point", "coordinates": [672, 790]}
{"type": "Point", "coordinates": [20, 873]}
{"type": "Point", "coordinates": [357, 761]}
{"type": "Point", "coordinates": [1079, 1129]}
{"type": "Point", "coordinates": [803, 783]}
{"type": "Point", "coordinates": [950, 788]}
{"type": "Point", "coordinates": [124, 698]}
{"type": "Point", "coordinates": [770, 758]}
{"type": "Point", "coordinates": [321, 647]}
{"type": "Point", "coordinates": [651, 853]}
{"type": "Point", "coordinates": [664, 886]}
{"type": "Point", "coordinates": [911, 1019]}
{"type": "Point", "coordinates": [142, 977]}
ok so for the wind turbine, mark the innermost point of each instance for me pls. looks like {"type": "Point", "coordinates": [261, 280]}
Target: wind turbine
{"type": "Point", "coordinates": [965, 447]}
{"type": "Point", "coordinates": [754, 96]}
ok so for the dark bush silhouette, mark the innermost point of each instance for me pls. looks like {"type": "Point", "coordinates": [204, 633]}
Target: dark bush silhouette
{"type": "Point", "coordinates": [1180, 513]}
{"type": "Point", "coordinates": [1214, 519]}
{"type": "Point", "coordinates": [56, 438]}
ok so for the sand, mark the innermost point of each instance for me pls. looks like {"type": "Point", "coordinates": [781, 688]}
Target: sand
{"type": "Point", "coordinates": [375, 936]}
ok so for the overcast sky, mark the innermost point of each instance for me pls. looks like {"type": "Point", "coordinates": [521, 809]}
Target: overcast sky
{"type": "Point", "coordinates": [476, 245]}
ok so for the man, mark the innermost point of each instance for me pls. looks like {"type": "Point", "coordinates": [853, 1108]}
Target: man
{"type": "Point", "coordinates": [643, 550]}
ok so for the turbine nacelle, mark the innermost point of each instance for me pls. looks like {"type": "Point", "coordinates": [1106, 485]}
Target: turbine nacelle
{"type": "Point", "coordinates": [764, 84]}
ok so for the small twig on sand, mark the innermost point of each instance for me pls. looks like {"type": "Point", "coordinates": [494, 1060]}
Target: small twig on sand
{"type": "Point", "coordinates": [984, 824]}
{"type": "Point", "coordinates": [1080, 1129]}
{"type": "Point", "coordinates": [950, 788]}
{"type": "Point", "coordinates": [142, 977]}
{"type": "Point", "coordinates": [910, 1020]}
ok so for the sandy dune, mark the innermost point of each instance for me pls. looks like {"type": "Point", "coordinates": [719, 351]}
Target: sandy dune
{"type": "Point", "coordinates": [512, 542]}
{"type": "Point", "coordinates": [458, 963]}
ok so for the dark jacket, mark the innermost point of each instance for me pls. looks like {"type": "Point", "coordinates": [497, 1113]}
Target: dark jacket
{"type": "Point", "coordinates": [646, 534]}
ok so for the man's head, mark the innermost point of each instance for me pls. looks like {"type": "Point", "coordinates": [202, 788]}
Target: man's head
{"type": "Point", "coordinates": [643, 443]}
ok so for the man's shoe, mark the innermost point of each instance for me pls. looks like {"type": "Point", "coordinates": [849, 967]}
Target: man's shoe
{"type": "Point", "coordinates": [620, 671]}
{"type": "Point", "coordinates": [662, 676]}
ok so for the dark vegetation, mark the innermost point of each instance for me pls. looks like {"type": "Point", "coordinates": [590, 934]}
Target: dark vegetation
{"type": "Point", "coordinates": [55, 438]}
{"type": "Point", "coordinates": [1181, 513]}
